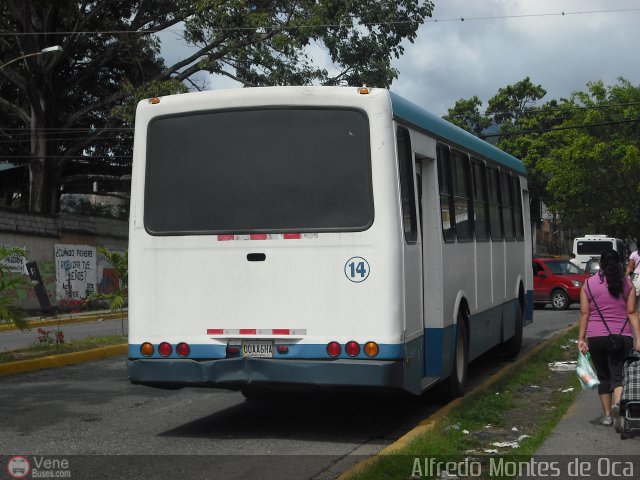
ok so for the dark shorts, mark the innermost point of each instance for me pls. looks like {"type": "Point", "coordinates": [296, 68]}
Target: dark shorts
{"type": "Point", "coordinates": [608, 365]}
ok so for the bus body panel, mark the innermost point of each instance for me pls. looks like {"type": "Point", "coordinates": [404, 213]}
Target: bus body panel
{"type": "Point", "coordinates": [218, 290]}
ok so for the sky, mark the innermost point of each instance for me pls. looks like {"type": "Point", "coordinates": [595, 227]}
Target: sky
{"type": "Point", "coordinates": [499, 43]}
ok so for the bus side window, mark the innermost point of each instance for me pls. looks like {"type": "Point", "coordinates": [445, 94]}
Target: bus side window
{"type": "Point", "coordinates": [517, 191]}
{"type": "Point", "coordinates": [495, 210]}
{"type": "Point", "coordinates": [461, 196]}
{"type": "Point", "coordinates": [507, 206]}
{"type": "Point", "coordinates": [480, 200]}
{"type": "Point", "coordinates": [446, 198]}
{"type": "Point", "coordinates": [407, 191]}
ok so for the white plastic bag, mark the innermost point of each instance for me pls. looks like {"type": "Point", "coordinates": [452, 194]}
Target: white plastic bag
{"type": "Point", "coordinates": [586, 373]}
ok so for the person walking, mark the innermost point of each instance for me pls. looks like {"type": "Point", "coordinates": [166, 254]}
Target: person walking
{"type": "Point", "coordinates": [608, 306]}
{"type": "Point", "coordinates": [633, 270]}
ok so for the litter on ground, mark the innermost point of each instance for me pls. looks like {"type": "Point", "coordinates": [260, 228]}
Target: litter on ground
{"type": "Point", "coordinates": [568, 366]}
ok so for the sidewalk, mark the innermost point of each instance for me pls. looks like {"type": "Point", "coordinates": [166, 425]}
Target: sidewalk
{"type": "Point", "coordinates": [580, 433]}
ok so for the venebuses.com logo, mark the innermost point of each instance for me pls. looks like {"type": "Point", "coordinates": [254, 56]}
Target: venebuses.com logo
{"type": "Point", "coordinates": [18, 467]}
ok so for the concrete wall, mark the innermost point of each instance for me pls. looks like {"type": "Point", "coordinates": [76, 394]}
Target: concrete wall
{"type": "Point", "coordinates": [39, 234]}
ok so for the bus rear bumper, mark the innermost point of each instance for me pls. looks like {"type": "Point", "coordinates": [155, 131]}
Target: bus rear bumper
{"type": "Point", "coordinates": [235, 373]}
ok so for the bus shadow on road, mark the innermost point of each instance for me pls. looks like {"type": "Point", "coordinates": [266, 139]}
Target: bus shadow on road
{"type": "Point", "coordinates": [336, 417]}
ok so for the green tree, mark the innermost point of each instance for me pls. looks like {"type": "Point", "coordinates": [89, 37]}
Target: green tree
{"type": "Point", "coordinates": [466, 115]}
{"type": "Point", "coordinates": [514, 102]}
{"type": "Point", "coordinates": [10, 282]}
{"type": "Point", "coordinates": [117, 299]}
{"type": "Point", "coordinates": [77, 105]}
{"type": "Point", "coordinates": [593, 167]}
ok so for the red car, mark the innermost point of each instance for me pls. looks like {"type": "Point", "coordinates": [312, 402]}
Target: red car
{"type": "Point", "coordinates": [557, 282]}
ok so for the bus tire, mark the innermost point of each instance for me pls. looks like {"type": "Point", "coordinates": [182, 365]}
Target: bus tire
{"type": "Point", "coordinates": [511, 347]}
{"type": "Point", "coordinates": [457, 383]}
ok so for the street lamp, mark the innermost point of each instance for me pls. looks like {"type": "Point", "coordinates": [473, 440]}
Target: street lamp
{"type": "Point", "coordinates": [53, 49]}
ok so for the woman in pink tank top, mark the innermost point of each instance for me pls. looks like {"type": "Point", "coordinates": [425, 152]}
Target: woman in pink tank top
{"type": "Point", "coordinates": [608, 294]}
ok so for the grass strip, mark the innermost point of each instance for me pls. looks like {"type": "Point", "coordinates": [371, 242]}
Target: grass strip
{"type": "Point", "coordinates": [520, 409]}
{"type": "Point", "coordinates": [70, 346]}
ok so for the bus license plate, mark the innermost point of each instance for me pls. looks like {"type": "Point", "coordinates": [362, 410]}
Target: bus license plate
{"type": "Point", "coordinates": [254, 348]}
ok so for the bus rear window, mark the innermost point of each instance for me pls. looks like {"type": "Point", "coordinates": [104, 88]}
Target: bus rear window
{"type": "Point", "coordinates": [266, 170]}
{"type": "Point", "coordinates": [594, 247]}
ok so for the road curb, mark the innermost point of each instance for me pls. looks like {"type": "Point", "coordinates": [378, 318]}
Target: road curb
{"type": "Point", "coordinates": [429, 422]}
{"type": "Point", "coordinates": [53, 361]}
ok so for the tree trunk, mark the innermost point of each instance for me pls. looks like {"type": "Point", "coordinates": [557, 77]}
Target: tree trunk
{"type": "Point", "coordinates": [44, 172]}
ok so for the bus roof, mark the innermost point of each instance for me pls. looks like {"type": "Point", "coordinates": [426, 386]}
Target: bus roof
{"type": "Point", "coordinates": [403, 109]}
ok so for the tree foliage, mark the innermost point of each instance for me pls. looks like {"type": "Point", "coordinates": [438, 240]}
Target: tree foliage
{"type": "Point", "coordinates": [582, 153]}
{"type": "Point", "coordinates": [10, 282]}
{"type": "Point", "coordinates": [117, 299]}
{"type": "Point", "coordinates": [466, 115]}
{"type": "Point", "coordinates": [77, 106]}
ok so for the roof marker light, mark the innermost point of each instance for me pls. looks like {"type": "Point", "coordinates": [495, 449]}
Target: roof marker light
{"type": "Point", "coordinates": [364, 90]}
{"type": "Point", "coordinates": [154, 100]}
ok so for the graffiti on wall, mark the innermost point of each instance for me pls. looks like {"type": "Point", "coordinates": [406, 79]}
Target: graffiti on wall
{"type": "Point", "coordinates": [76, 271]}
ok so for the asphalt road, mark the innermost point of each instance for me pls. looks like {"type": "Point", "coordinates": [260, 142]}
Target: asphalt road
{"type": "Point", "coordinates": [106, 427]}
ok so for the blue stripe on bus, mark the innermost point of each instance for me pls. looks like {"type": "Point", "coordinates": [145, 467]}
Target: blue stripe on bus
{"type": "Point", "coordinates": [451, 134]}
{"type": "Point", "coordinates": [296, 351]}
{"type": "Point", "coordinates": [528, 307]}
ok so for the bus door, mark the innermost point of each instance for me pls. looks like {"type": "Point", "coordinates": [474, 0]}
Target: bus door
{"type": "Point", "coordinates": [431, 257]}
{"type": "Point", "coordinates": [412, 245]}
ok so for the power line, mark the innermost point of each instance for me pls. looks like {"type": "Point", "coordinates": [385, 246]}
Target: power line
{"type": "Point", "coordinates": [328, 25]}
{"type": "Point", "coordinates": [530, 15]}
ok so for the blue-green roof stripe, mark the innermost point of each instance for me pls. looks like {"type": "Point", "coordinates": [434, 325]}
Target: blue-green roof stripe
{"type": "Point", "coordinates": [403, 109]}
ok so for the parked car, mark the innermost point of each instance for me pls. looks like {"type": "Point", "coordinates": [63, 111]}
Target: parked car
{"type": "Point", "coordinates": [593, 266]}
{"type": "Point", "coordinates": [557, 282]}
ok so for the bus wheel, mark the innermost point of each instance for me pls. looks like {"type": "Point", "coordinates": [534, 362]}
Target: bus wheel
{"type": "Point", "coordinates": [458, 380]}
{"type": "Point", "coordinates": [559, 299]}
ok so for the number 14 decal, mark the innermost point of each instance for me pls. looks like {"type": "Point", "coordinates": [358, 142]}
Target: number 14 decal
{"type": "Point", "coordinates": [357, 269]}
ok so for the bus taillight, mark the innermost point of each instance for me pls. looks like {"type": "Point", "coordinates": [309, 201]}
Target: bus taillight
{"type": "Point", "coordinates": [146, 349]}
{"type": "Point", "coordinates": [371, 349]}
{"type": "Point", "coordinates": [352, 348]}
{"type": "Point", "coordinates": [333, 349]}
{"type": "Point", "coordinates": [165, 349]}
{"type": "Point", "coordinates": [183, 350]}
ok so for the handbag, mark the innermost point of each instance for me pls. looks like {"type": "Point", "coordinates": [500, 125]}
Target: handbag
{"type": "Point", "coordinates": [614, 340]}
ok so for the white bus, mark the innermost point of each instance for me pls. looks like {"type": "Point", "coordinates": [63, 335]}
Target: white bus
{"type": "Point", "coordinates": [328, 237]}
{"type": "Point", "coordinates": [591, 246]}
